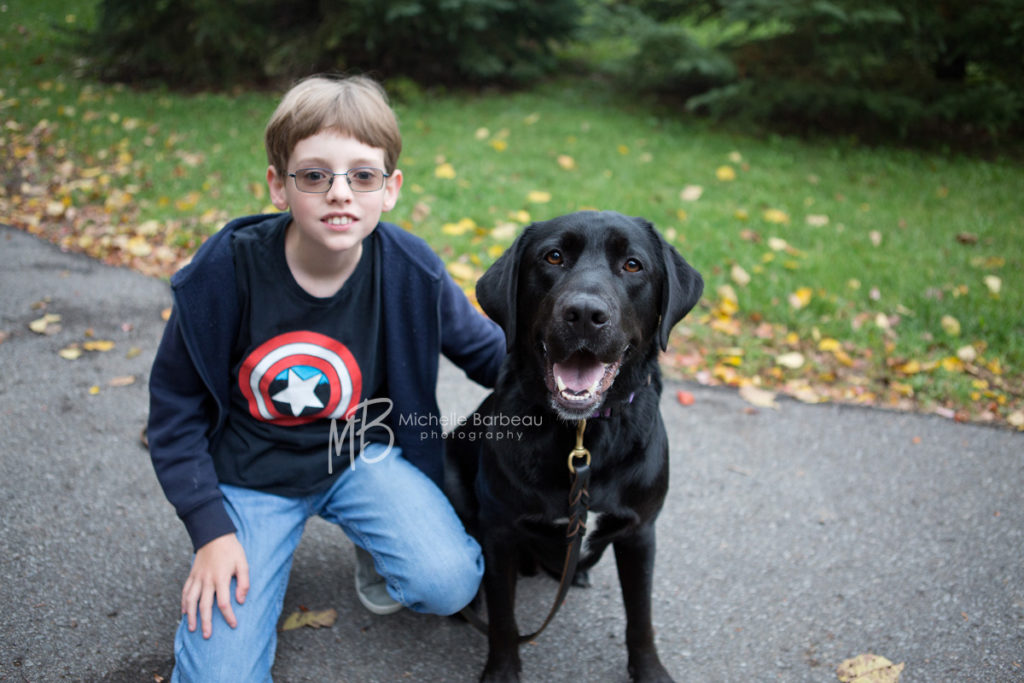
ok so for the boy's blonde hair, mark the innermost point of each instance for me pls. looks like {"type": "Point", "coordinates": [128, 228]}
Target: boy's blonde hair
{"type": "Point", "coordinates": [355, 106]}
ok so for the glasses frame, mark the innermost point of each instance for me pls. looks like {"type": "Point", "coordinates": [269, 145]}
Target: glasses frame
{"type": "Point", "coordinates": [332, 174]}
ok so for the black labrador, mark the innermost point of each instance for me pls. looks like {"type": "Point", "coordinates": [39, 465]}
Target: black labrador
{"type": "Point", "coordinates": [586, 301]}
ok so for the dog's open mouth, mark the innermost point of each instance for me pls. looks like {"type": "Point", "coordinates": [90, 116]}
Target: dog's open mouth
{"type": "Point", "coordinates": [578, 383]}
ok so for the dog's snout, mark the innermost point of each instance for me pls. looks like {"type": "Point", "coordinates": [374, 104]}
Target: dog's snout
{"type": "Point", "coordinates": [585, 313]}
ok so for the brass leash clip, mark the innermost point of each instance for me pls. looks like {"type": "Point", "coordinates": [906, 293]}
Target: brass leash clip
{"type": "Point", "coordinates": [579, 451]}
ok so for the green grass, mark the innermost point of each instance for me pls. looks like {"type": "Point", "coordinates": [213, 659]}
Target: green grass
{"type": "Point", "coordinates": [890, 245]}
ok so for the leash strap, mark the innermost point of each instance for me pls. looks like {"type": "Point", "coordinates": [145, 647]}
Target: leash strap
{"type": "Point", "coordinates": [579, 506]}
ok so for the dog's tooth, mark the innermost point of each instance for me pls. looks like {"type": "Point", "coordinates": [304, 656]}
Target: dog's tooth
{"type": "Point", "coordinates": [560, 383]}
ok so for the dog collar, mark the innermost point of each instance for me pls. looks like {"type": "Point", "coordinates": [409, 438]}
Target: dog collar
{"type": "Point", "coordinates": [607, 410]}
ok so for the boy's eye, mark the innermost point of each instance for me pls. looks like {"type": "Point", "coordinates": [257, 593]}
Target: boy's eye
{"type": "Point", "coordinates": [362, 175]}
{"type": "Point", "coordinates": [313, 176]}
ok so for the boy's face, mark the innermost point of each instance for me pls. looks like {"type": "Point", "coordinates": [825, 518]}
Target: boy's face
{"type": "Point", "coordinates": [339, 219]}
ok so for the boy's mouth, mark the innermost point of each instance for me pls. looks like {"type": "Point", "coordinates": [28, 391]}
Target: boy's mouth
{"type": "Point", "coordinates": [338, 220]}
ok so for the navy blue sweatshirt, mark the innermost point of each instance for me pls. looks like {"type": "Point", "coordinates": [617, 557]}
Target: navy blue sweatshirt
{"type": "Point", "coordinates": [424, 314]}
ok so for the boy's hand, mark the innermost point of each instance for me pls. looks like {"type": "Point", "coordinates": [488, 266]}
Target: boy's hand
{"type": "Point", "coordinates": [210, 579]}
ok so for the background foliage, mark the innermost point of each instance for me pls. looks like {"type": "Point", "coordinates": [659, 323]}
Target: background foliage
{"type": "Point", "coordinates": [222, 43]}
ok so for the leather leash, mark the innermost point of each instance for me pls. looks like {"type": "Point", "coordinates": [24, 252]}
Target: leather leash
{"type": "Point", "coordinates": [579, 506]}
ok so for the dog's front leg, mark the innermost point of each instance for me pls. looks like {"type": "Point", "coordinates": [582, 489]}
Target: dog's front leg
{"type": "Point", "coordinates": [634, 557]}
{"type": "Point", "coordinates": [501, 564]}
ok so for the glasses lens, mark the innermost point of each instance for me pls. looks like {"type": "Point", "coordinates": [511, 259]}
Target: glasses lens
{"type": "Point", "coordinates": [313, 179]}
{"type": "Point", "coordinates": [365, 179]}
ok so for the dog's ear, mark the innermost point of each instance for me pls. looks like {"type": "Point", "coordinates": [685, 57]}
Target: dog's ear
{"type": "Point", "coordinates": [680, 290]}
{"type": "Point", "coordinates": [496, 289]}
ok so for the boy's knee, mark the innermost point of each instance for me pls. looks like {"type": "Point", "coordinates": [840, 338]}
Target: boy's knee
{"type": "Point", "coordinates": [444, 586]}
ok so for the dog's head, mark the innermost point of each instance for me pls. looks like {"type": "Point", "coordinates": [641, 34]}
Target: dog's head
{"type": "Point", "coordinates": [587, 295]}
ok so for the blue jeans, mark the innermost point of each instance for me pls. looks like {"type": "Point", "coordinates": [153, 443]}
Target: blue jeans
{"type": "Point", "coordinates": [387, 506]}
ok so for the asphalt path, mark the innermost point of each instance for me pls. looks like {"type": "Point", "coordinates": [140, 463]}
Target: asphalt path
{"type": "Point", "coordinates": [792, 539]}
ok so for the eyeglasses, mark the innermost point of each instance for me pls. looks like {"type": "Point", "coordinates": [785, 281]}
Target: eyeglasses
{"type": "Point", "coordinates": [320, 180]}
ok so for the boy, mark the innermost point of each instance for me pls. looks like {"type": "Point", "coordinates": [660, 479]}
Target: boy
{"type": "Point", "coordinates": [293, 334]}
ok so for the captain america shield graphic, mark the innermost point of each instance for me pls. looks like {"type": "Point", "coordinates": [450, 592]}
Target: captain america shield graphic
{"type": "Point", "coordinates": [299, 377]}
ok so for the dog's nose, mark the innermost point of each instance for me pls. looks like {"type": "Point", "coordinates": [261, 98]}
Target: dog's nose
{"type": "Point", "coordinates": [585, 313]}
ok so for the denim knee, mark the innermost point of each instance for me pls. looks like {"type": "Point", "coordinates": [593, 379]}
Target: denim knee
{"type": "Point", "coordinates": [442, 584]}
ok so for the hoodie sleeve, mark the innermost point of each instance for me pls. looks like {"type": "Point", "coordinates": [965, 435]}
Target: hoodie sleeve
{"type": "Point", "coordinates": [182, 413]}
{"type": "Point", "coordinates": [468, 338]}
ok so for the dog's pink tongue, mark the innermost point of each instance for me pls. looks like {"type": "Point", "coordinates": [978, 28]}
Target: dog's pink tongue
{"type": "Point", "coordinates": [579, 372]}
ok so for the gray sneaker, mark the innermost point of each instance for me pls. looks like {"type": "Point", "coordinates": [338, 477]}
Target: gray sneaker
{"type": "Point", "coordinates": [371, 587]}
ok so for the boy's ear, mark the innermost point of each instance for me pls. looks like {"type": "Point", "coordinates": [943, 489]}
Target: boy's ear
{"type": "Point", "coordinates": [392, 189]}
{"type": "Point", "coordinates": [275, 183]}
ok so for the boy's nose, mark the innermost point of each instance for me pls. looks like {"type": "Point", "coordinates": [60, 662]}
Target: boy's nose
{"type": "Point", "coordinates": [339, 189]}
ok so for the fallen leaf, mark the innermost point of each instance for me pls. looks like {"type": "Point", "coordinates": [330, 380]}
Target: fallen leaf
{"type": "Point", "coordinates": [462, 271]}
{"type": "Point", "coordinates": [775, 216]}
{"type": "Point", "coordinates": [800, 297]}
{"type": "Point", "coordinates": [994, 283]}
{"type": "Point", "coordinates": [72, 352]}
{"type": "Point", "coordinates": [445, 171]}
{"type": "Point", "coordinates": [758, 397]}
{"type": "Point", "coordinates": [566, 162]}
{"type": "Point", "coordinates": [725, 173]}
{"type": "Point", "coordinates": [122, 381]}
{"type": "Point", "coordinates": [875, 237]}
{"type": "Point", "coordinates": [45, 325]}
{"type": "Point", "coordinates": [165, 314]}
{"type": "Point", "coordinates": [98, 345]}
{"type": "Point", "coordinates": [817, 220]}
{"type": "Point", "coordinates": [739, 276]}
{"type": "Point", "coordinates": [539, 196]}
{"type": "Point", "coordinates": [691, 193]}
{"type": "Point", "coordinates": [792, 360]}
{"type": "Point", "coordinates": [967, 238]}
{"type": "Point", "coordinates": [950, 325]}
{"type": "Point", "coordinates": [869, 668]}
{"type": "Point", "coordinates": [685, 398]}
{"type": "Point", "coordinates": [311, 618]}
{"type": "Point", "coordinates": [93, 390]}
{"type": "Point", "coordinates": [777, 244]}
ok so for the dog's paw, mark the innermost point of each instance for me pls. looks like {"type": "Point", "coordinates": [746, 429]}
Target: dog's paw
{"type": "Point", "coordinates": [650, 670]}
{"type": "Point", "coordinates": [581, 579]}
{"type": "Point", "coordinates": [505, 671]}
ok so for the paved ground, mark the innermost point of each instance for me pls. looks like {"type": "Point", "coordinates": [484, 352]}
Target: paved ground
{"type": "Point", "coordinates": [791, 540]}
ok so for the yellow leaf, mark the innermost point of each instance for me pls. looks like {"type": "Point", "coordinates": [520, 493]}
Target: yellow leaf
{"type": "Point", "coordinates": [566, 162]}
{"type": "Point", "coordinates": [843, 357]}
{"type": "Point", "coordinates": [725, 173]}
{"type": "Point", "coordinates": [994, 283]}
{"type": "Point", "coordinates": [681, 214]}
{"type": "Point", "coordinates": [952, 364]}
{"type": "Point", "coordinates": [967, 354]}
{"type": "Point", "coordinates": [43, 325]}
{"type": "Point", "coordinates": [539, 196]}
{"type": "Point", "coordinates": [869, 668]}
{"type": "Point", "coordinates": [462, 227]}
{"type": "Point", "coordinates": [138, 246]}
{"type": "Point", "coordinates": [777, 244]}
{"type": "Point", "coordinates": [498, 144]}
{"type": "Point", "coordinates": [829, 344]}
{"type": "Point", "coordinates": [691, 193]}
{"type": "Point", "coordinates": [1016, 419]}
{"type": "Point", "coordinates": [72, 352]}
{"type": "Point", "coordinates": [792, 360]}
{"type": "Point", "coordinates": [445, 170]}
{"type": "Point", "coordinates": [623, 150]}
{"type": "Point", "coordinates": [93, 390]}
{"type": "Point", "coordinates": [817, 220]}
{"type": "Point", "coordinates": [98, 345]}
{"type": "Point", "coordinates": [741, 214]}
{"type": "Point", "coordinates": [911, 367]}
{"type": "Point", "coordinates": [775, 216]}
{"type": "Point", "coordinates": [801, 297]}
{"type": "Point", "coordinates": [311, 618]}
{"type": "Point", "coordinates": [950, 325]}
{"type": "Point", "coordinates": [758, 397]}
{"type": "Point", "coordinates": [462, 271]}
{"type": "Point", "coordinates": [482, 133]}
{"type": "Point", "coordinates": [739, 276]}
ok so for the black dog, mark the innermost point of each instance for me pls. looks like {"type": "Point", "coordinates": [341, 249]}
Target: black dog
{"type": "Point", "coordinates": [586, 301]}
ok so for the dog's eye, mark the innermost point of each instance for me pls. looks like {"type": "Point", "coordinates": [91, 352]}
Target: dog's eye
{"type": "Point", "coordinates": [632, 266]}
{"type": "Point", "coordinates": [554, 257]}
